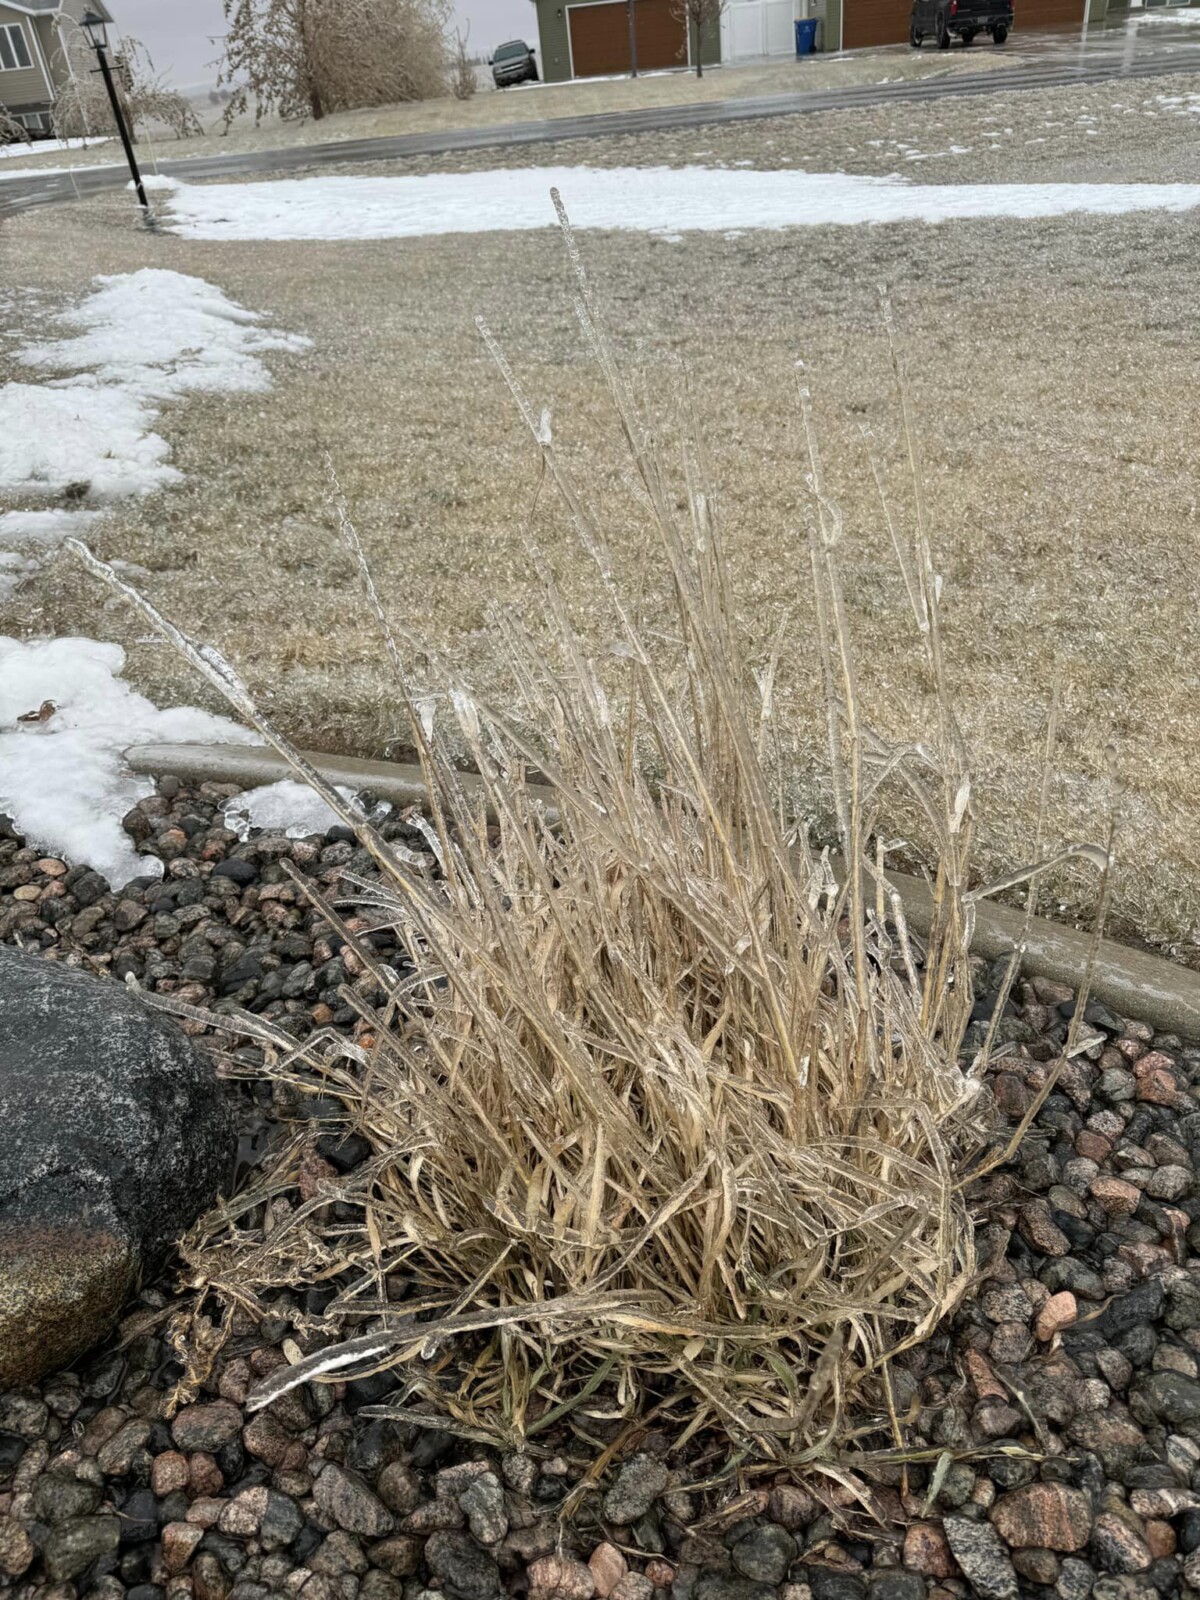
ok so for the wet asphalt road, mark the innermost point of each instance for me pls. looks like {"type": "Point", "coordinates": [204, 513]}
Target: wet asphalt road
{"type": "Point", "coordinates": [1046, 62]}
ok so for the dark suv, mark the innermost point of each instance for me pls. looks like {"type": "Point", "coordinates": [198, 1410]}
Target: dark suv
{"type": "Point", "coordinates": [513, 63]}
{"type": "Point", "coordinates": [940, 19]}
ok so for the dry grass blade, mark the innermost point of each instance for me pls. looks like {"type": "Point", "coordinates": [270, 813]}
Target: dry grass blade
{"type": "Point", "coordinates": [663, 1119]}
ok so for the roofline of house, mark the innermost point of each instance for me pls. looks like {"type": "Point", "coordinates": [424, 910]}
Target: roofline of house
{"type": "Point", "coordinates": [58, 10]}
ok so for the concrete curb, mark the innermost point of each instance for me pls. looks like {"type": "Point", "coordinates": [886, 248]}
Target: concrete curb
{"type": "Point", "coordinates": [1132, 983]}
{"type": "Point", "coordinates": [255, 764]}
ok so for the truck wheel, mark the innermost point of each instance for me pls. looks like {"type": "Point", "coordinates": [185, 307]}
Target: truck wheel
{"type": "Point", "coordinates": [943, 33]}
{"type": "Point", "coordinates": [999, 33]}
{"type": "Point", "coordinates": [914, 36]}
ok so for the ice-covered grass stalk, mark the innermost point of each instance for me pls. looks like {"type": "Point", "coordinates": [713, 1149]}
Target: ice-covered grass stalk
{"type": "Point", "coordinates": [664, 1114]}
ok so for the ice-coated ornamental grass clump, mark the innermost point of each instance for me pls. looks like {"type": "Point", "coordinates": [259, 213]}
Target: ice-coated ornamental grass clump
{"type": "Point", "coordinates": [666, 1111]}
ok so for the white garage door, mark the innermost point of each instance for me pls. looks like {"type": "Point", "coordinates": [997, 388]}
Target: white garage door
{"type": "Point", "coordinates": [759, 28]}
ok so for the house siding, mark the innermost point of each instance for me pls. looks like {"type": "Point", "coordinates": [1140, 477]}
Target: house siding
{"type": "Point", "coordinates": [52, 51]}
{"type": "Point", "coordinates": [25, 88]}
{"type": "Point", "coordinates": [552, 36]}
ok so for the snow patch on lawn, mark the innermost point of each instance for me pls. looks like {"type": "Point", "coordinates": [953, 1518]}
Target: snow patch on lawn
{"type": "Point", "coordinates": [44, 527]}
{"type": "Point", "coordinates": [95, 437]}
{"type": "Point", "coordinates": [140, 340]}
{"type": "Point", "coordinates": [668, 201]}
{"type": "Point", "coordinates": [1179, 105]}
{"type": "Point", "coordinates": [63, 781]}
{"type": "Point", "coordinates": [156, 335]}
{"type": "Point", "coordinates": [46, 146]}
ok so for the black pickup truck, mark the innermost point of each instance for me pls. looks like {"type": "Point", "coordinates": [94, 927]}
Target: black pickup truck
{"type": "Point", "coordinates": [940, 19]}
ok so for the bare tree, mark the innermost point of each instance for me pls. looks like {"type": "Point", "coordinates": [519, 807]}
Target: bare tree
{"type": "Point", "coordinates": [699, 17]}
{"type": "Point", "coordinates": [82, 108]}
{"type": "Point", "coordinates": [463, 81]}
{"type": "Point", "coordinates": [305, 58]}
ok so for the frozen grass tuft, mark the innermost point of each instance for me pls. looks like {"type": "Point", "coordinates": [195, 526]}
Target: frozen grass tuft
{"type": "Point", "coordinates": [666, 1114]}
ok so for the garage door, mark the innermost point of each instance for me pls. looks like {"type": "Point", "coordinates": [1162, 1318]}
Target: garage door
{"type": "Point", "coordinates": [1047, 14]}
{"type": "Point", "coordinates": [870, 22]}
{"type": "Point", "coordinates": [752, 28]}
{"type": "Point", "coordinates": [600, 37]}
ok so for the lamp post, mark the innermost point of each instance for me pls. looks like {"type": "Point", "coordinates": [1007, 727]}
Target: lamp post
{"type": "Point", "coordinates": [632, 41]}
{"type": "Point", "coordinates": [95, 31]}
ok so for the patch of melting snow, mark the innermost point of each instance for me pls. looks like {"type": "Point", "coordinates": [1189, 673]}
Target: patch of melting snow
{"type": "Point", "coordinates": [291, 808]}
{"type": "Point", "coordinates": [668, 201]}
{"type": "Point", "coordinates": [66, 714]}
{"type": "Point", "coordinates": [51, 439]}
{"type": "Point", "coordinates": [63, 779]}
{"type": "Point", "coordinates": [157, 335]}
{"type": "Point", "coordinates": [44, 146]}
{"type": "Point", "coordinates": [138, 341]}
{"type": "Point", "coordinates": [937, 155]}
{"type": "Point", "coordinates": [43, 527]}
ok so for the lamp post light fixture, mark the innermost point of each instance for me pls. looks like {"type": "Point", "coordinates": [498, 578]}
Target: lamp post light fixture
{"type": "Point", "coordinates": [95, 31]}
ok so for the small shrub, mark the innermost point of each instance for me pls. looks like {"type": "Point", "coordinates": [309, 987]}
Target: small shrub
{"type": "Point", "coordinates": [12, 131]}
{"type": "Point", "coordinates": [463, 81]}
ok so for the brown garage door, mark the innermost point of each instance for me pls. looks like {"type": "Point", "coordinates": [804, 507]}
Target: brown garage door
{"type": "Point", "coordinates": [1047, 14]}
{"type": "Point", "coordinates": [869, 22]}
{"type": "Point", "coordinates": [600, 37]}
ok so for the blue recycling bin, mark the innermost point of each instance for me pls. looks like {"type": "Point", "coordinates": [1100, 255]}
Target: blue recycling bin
{"type": "Point", "coordinates": [806, 36]}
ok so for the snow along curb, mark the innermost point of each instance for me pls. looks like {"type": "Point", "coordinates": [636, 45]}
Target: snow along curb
{"type": "Point", "coordinates": [1131, 982]}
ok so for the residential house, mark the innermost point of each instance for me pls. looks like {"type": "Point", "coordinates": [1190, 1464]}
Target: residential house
{"type": "Point", "coordinates": [40, 51]}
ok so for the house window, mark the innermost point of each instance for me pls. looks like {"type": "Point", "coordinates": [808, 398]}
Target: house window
{"type": "Point", "coordinates": [14, 52]}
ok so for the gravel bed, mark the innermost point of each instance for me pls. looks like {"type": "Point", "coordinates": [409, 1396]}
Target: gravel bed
{"type": "Point", "coordinates": [1060, 1409]}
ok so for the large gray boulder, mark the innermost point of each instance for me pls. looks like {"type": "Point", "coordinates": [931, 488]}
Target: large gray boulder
{"type": "Point", "coordinates": [114, 1135]}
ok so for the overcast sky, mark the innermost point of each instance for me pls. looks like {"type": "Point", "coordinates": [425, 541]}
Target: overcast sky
{"type": "Point", "coordinates": [179, 33]}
